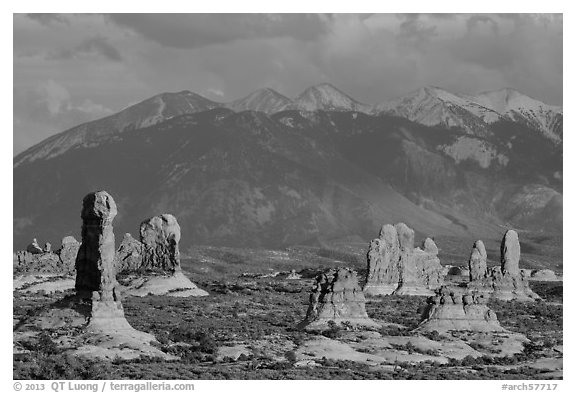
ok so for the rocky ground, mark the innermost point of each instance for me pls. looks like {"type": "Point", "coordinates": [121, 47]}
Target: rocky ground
{"type": "Point", "coordinates": [245, 328]}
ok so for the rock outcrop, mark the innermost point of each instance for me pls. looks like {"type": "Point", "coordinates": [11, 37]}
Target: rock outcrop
{"type": "Point", "coordinates": [293, 275]}
{"type": "Point", "coordinates": [510, 253]}
{"type": "Point", "coordinates": [44, 263]}
{"type": "Point", "coordinates": [160, 236]}
{"type": "Point", "coordinates": [420, 271]}
{"type": "Point", "coordinates": [34, 248]}
{"type": "Point", "coordinates": [337, 298]}
{"type": "Point", "coordinates": [544, 275]}
{"type": "Point", "coordinates": [93, 319]}
{"type": "Point", "coordinates": [477, 262]}
{"type": "Point", "coordinates": [506, 282]}
{"type": "Point", "coordinates": [395, 266]}
{"type": "Point", "coordinates": [383, 263]}
{"type": "Point", "coordinates": [69, 251]}
{"type": "Point", "coordinates": [129, 255]}
{"type": "Point", "coordinates": [155, 270]}
{"type": "Point", "coordinates": [453, 311]}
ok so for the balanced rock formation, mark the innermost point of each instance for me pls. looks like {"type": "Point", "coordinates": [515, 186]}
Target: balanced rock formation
{"type": "Point", "coordinates": [129, 254]}
{"type": "Point", "coordinates": [34, 248]}
{"type": "Point", "coordinates": [96, 308]}
{"type": "Point", "coordinates": [395, 266]}
{"type": "Point", "coordinates": [156, 268]}
{"type": "Point", "coordinates": [337, 298]}
{"type": "Point", "coordinates": [506, 282]}
{"type": "Point", "coordinates": [160, 236]}
{"type": "Point", "coordinates": [453, 311]}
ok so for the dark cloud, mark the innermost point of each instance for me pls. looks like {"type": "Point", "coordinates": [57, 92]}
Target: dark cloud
{"type": "Point", "coordinates": [372, 57]}
{"type": "Point", "coordinates": [47, 19]}
{"type": "Point", "coordinates": [412, 29]}
{"type": "Point", "coordinates": [197, 30]}
{"type": "Point", "coordinates": [99, 46]}
{"type": "Point", "coordinates": [478, 20]}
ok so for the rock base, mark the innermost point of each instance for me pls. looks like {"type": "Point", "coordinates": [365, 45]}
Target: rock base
{"type": "Point", "coordinates": [176, 285]}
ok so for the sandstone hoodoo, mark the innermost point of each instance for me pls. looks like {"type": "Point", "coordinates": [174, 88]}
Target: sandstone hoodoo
{"type": "Point", "coordinates": [69, 251]}
{"type": "Point", "coordinates": [395, 266]}
{"type": "Point", "coordinates": [47, 262]}
{"type": "Point", "coordinates": [506, 282]}
{"type": "Point", "coordinates": [96, 308]}
{"type": "Point", "coordinates": [455, 311]}
{"type": "Point", "coordinates": [34, 248]}
{"type": "Point", "coordinates": [477, 261]}
{"type": "Point", "coordinates": [47, 271]}
{"type": "Point", "coordinates": [128, 254]}
{"type": "Point", "coordinates": [336, 298]}
{"type": "Point", "coordinates": [160, 236]}
{"type": "Point", "coordinates": [510, 253]}
{"type": "Point", "coordinates": [95, 260]}
{"type": "Point", "coordinates": [383, 263]}
{"type": "Point", "coordinates": [155, 269]}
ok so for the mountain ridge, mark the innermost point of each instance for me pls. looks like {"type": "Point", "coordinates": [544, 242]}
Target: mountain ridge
{"type": "Point", "coordinates": [431, 106]}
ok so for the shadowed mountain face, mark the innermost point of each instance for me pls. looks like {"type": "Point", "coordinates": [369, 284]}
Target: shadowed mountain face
{"type": "Point", "coordinates": [255, 179]}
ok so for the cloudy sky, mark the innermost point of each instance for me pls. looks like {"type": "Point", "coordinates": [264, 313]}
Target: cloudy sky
{"type": "Point", "coordinates": [69, 69]}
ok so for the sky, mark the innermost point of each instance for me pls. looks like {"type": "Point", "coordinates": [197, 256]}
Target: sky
{"type": "Point", "coordinates": [73, 68]}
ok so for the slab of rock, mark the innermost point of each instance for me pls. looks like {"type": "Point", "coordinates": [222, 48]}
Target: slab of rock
{"type": "Point", "coordinates": [93, 319]}
{"type": "Point", "coordinates": [129, 255]}
{"type": "Point", "coordinates": [544, 275]}
{"type": "Point", "coordinates": [453, 311]}
{"type": "Point", "coordinates": [337, 298]}
{"type": "Point", "coordinates": [160, 236]}
{"type": "Point", "coordinates": [174, 285]}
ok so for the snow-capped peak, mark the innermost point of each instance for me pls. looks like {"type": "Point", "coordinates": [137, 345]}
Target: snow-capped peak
{"type": "Point", "coordinates": [328, 98]}
{"type": "Point", "coordinates": [433, 106]}
{"type": "Point", "coordinates": [265, 100]}
{"type": "Point", "coordinates": [519, 107]}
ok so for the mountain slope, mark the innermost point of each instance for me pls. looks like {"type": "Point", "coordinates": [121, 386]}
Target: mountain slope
{"type": "Point", "coordinates": [326, 97]}
{"type": "Point", "coordinates": [264, 100]}
{"type": "Point", "coordinates": [146, 113]}
{"type": "Point", "coordinates": [433, 106]}
{"type": "Point", "coordinates": [318, 169]}
{"type": "Point", "coordinates": [231, 179]}
{"type": "Point", "coordinates": [521, 108]}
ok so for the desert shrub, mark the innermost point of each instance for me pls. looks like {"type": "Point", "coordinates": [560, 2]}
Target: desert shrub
{"type": "Point", "coordinates": [333, 331]}
{"type": "Point", "coordinates": [433, 335]}
{"type": "Point", "coordinates": [37, 366]}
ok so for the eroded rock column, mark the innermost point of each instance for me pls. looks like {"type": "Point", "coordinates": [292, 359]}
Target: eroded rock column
{"type": "Point", "coordinates": [160, 236]}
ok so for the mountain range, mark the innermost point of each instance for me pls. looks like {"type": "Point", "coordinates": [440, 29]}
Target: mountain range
{"type": "Point", "coordinates": [268, 170]}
